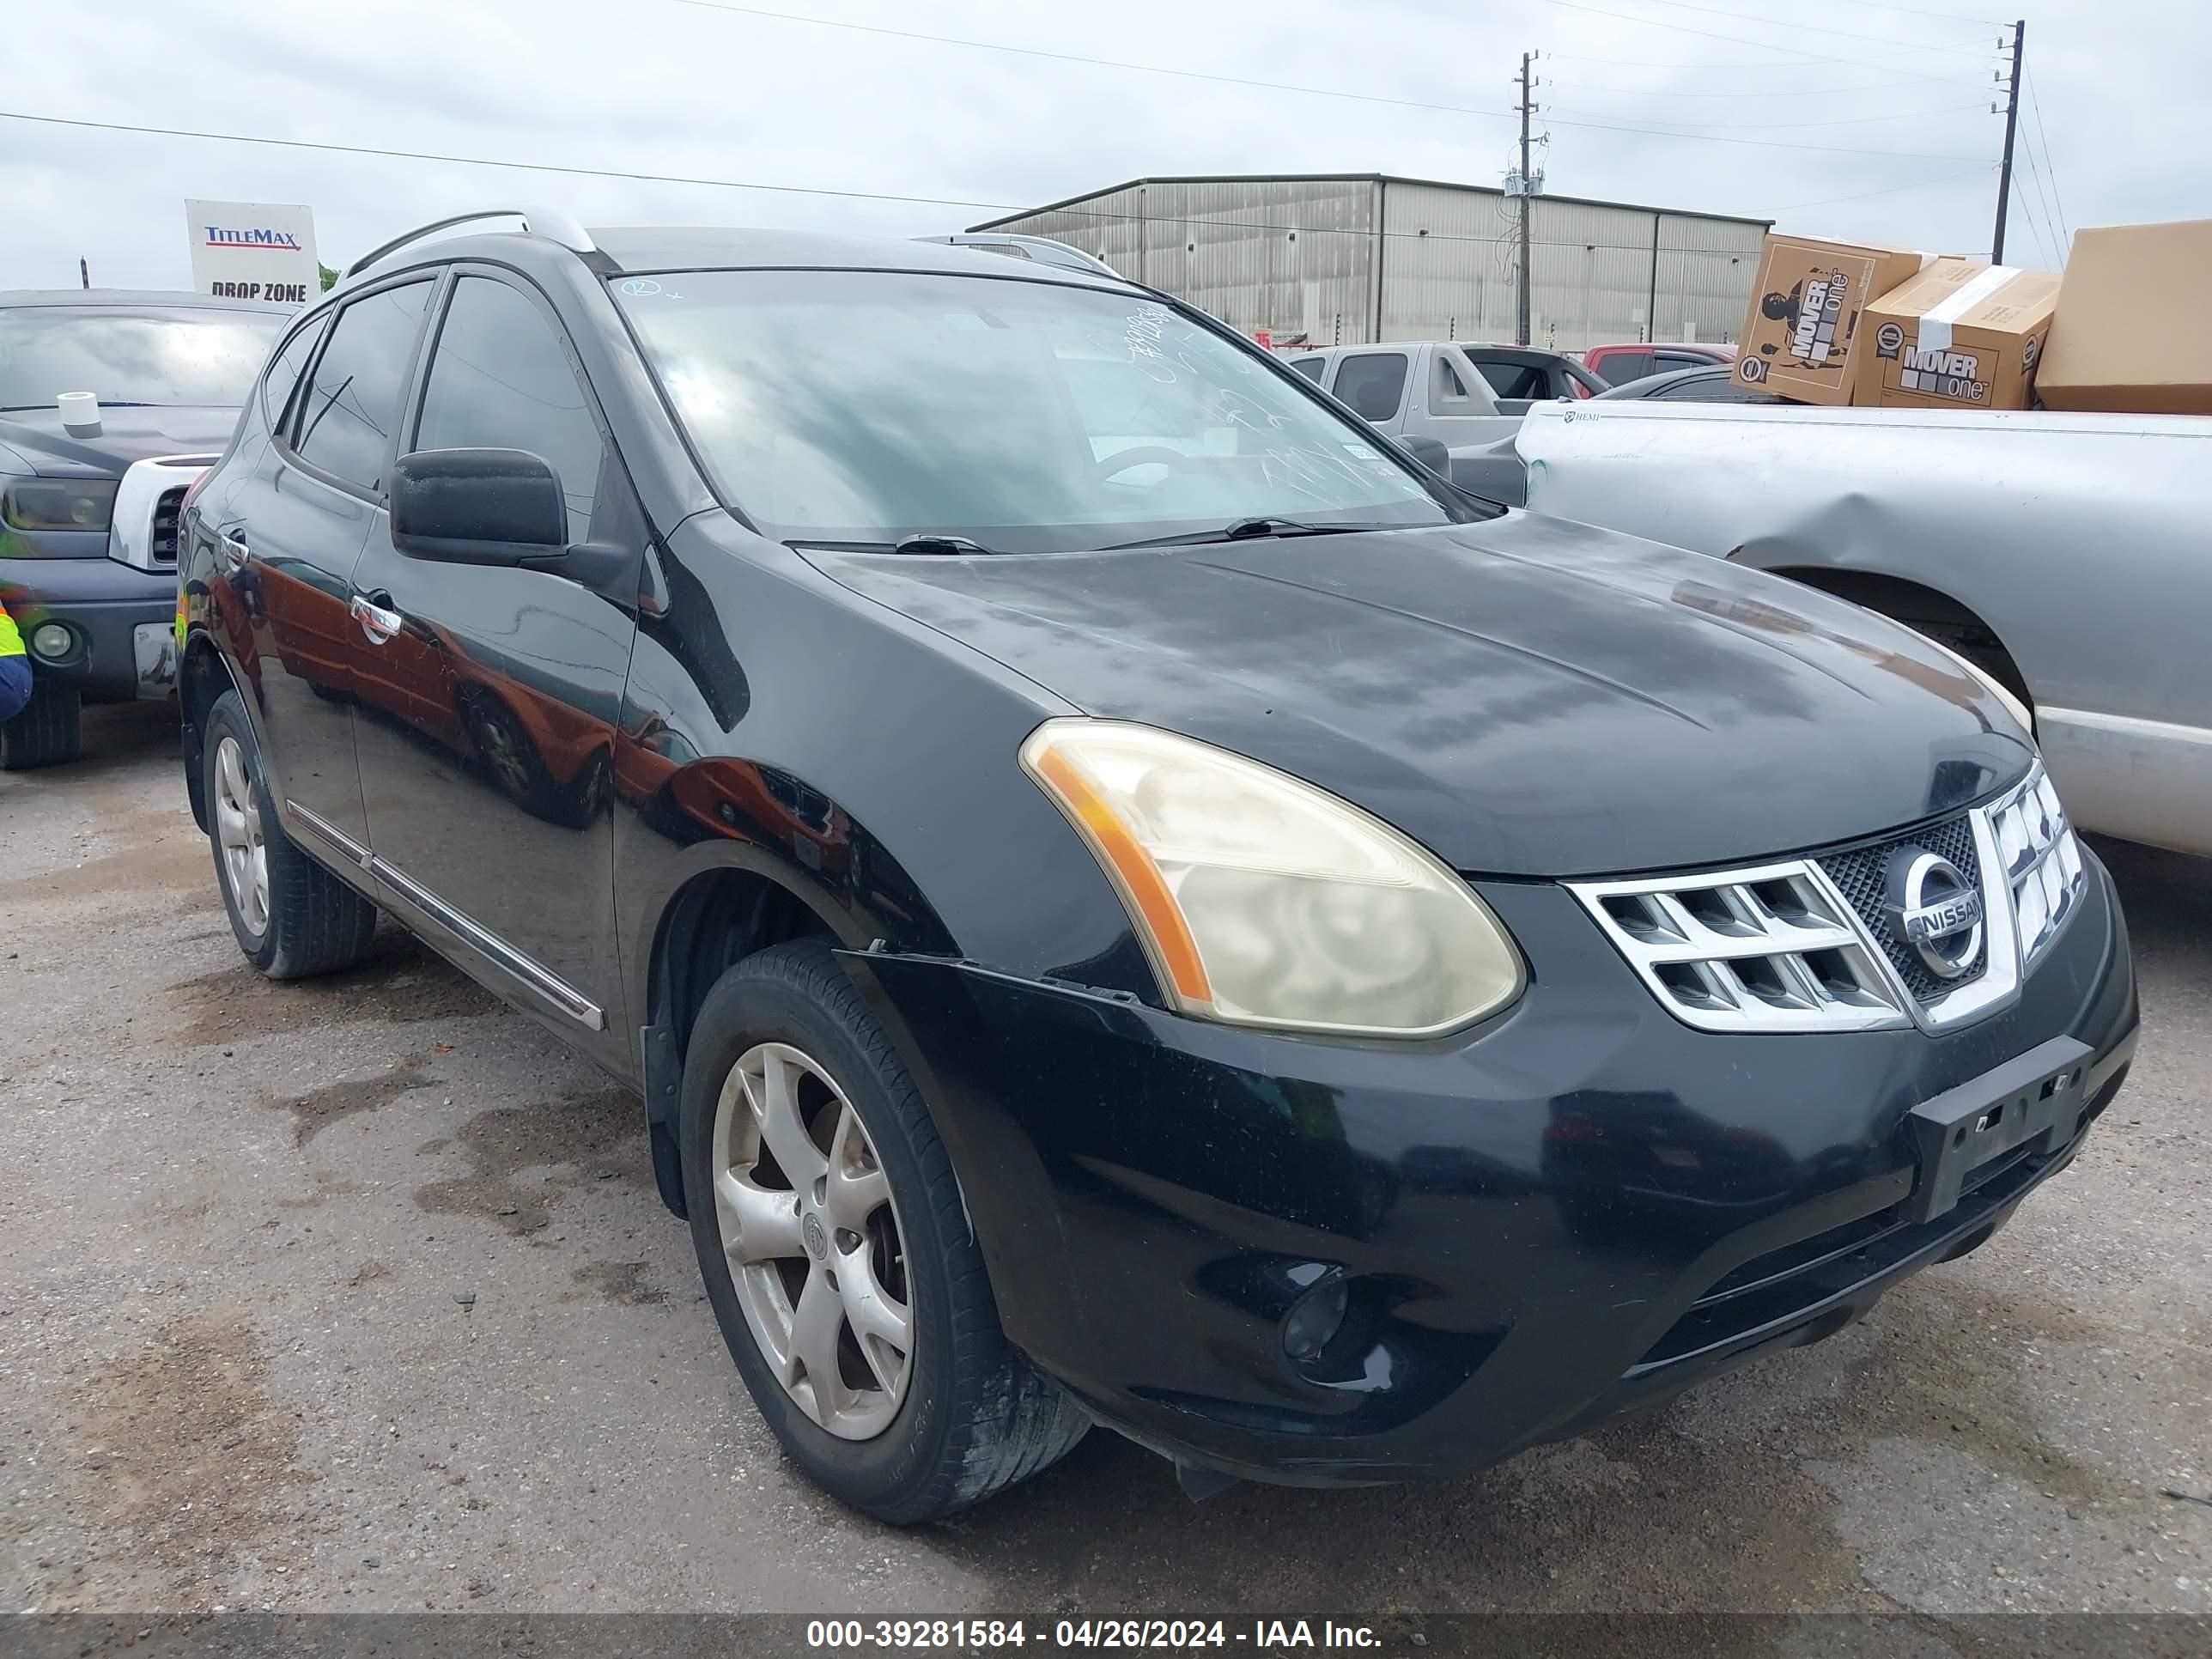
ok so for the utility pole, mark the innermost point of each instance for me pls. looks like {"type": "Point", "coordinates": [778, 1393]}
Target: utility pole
{"type": "Point", "coordinates": [1528, 187]}
{"type": "Point", "coordinates": [2012, 123]}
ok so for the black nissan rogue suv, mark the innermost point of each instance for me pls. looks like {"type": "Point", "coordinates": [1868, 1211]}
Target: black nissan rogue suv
{"type": "Point", "coordinates": [1126, 899]}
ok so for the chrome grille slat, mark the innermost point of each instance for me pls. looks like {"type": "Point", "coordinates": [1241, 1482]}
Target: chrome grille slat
{"type": "Point", "coordinates": [1804, 944]}
{"type": "Point", "coordinates": [1700, 973]}
{"type": "Point", "coordinates": [2042, 862]}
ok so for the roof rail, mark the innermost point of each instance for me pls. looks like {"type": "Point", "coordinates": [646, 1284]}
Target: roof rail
{"type": "Point", "coordinates": [540, 221]}
{"type": "Point", "coordinates": [1042, 249]}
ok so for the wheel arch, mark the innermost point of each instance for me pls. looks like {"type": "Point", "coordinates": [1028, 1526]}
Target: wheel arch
{"type": "Point", "coordinates": [731, 900]}
{"type": "Point", "coordinates": [725, 910]}
{"type": "Point", "coordinates": [204, 676]}
{"type": "Point", "coordinates": [1919, 606]}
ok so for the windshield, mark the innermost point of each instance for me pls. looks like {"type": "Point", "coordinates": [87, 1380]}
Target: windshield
{"type": "Point", "coordinates": [131, 355]}
{"type": "Point", "coordinates": [866, 407]}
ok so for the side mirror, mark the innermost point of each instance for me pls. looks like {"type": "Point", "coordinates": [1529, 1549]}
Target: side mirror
{"type": "Point", "coordinates": [477, 506]}
{"type": "Point", "coordinates": [1431, 453]}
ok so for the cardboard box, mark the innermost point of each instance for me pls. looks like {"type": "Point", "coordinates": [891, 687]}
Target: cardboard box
{"type": "Point", "coordinates": [1961, 335]}
{"type": "Point", "coordinates": [2133, 333]}
{"type": "Point", "coordinates": [1802, 337]}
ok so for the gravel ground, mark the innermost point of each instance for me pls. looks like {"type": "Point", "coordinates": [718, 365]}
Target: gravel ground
{"type": "Point", "coordinates": [356, 1296]}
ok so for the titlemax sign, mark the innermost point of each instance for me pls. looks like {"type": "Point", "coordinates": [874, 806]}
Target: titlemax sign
{"type": "Point", "coordinates": [219, 236]}
{"type": "Point", "coordinates": [253, 251]}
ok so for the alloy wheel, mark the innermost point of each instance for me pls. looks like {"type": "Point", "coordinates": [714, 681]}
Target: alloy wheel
{"type": "Point", "coordinates": [238, 836]}
{"type": "Point", "coordinates": [803, 1211]}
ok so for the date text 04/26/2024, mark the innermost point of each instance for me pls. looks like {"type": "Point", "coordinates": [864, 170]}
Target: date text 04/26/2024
{"type": "Point", "coordinates": [977, 1633]}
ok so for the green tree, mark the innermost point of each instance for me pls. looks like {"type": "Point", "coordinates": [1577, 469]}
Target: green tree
{"type": "Point", "coordinates": [329, 275]}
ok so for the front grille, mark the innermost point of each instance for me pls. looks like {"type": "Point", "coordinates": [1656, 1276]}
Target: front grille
{"type": "Point", "coordinates": [1772, 949]}
{"type": "Point", "coordinates": [1807, 945]}
{"type": "Point", "coordinates": [1861, 875]}
{"type": "Point", "coordinates": [162, 546]}
{"type": "Point", "coordinates": [2042, 862]}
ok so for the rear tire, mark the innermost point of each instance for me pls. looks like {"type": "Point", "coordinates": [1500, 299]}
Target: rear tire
{"type": "Point", "coordinates": [293, 919]}
{"type": "Point", "coordinates": [48, 730]}
{"type": "Point", "coordinates": [972, 1416]}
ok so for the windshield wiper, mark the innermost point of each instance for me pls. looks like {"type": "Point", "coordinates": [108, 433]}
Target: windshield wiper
{"type": "Point", "coordinates": [923, 542]}
{"type": "Point", "coordinates": [104, 403]}
{"type": "Point", "coordinates": [927, 542]}
{"type": "Point", "coordinates": [1246, 530]}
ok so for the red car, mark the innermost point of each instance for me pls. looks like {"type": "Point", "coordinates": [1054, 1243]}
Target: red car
{"type": "Point", "coordinates": [1617, 365]}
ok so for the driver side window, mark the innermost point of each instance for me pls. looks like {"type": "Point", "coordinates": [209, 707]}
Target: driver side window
{"type": "Point", "coordinates": [500, 378]}
{"type": "Point", "coordinates": [1373, 383]}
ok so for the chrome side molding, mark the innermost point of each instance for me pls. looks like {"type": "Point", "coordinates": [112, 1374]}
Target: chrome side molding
{"type": "Point", "coordinates": [328, 833]}
{"type": "Point", "coordinates": [538, 978]}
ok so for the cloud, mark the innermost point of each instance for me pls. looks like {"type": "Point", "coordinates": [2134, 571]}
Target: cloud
{"type": "Point", "coordinates": [657, 86]}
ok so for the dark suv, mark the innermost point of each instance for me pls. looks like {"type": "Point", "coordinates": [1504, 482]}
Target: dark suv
{"type": "Point", "coordinates": [1126, 899]}
{"type": "Point", "coordinates": [112, 401]}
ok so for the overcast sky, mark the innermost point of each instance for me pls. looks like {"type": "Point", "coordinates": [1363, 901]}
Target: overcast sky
{"type": "Point", "coordinates": [670, 88]}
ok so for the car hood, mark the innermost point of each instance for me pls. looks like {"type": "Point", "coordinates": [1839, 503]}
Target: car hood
{"type": "Point", "coordinates": [1526, 695]}
{"type": "Point", "coordinates": [41, 444]}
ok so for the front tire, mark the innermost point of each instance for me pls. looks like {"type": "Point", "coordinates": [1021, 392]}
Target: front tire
{"type": "Point", "coordinates": [47, 730]}
{"type": "Point", "coordinates": [837, 1256]}
{"type": "Point", "coordinates": [292, 918]}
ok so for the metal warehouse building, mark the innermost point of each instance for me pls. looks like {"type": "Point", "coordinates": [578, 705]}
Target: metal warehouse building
{"type": "Point", "coordinates": [1349, 257]}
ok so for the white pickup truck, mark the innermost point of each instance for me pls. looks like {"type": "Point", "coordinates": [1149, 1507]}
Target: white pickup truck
{"type": "Point", "coordinates": [2066, 554]}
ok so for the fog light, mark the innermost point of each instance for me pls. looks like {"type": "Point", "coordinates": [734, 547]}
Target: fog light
{"type": "Point", "coordinates": [51, 641]}
{"type": "Point", "coordinates": [1314, 1319]}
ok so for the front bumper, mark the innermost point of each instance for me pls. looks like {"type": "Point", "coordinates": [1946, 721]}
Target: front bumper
{"type": "Point", "coordinates": [1570, 1212]}
{"type": "Point", "coordinates": [119, 615]}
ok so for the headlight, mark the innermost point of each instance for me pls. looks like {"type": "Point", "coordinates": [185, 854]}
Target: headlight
{"type": "Point", "coordinates": [59, 503]}
{"type": "Point", "coordinates": [1264, 901]}
{"type": "Point", "coordinates": [1997, 688]}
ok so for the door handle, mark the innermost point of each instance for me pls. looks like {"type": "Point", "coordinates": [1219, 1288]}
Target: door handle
{"type": "Point", "coordinates": [377, 622]}
{"type": "Point", "coordinates": [232, 548]}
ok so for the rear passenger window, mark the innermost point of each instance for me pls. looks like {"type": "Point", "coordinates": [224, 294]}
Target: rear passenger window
{"type": "Point", "coordinates": [1620, 367]}
{"type": "Point", "coordinates": [1374, 383]}
{"type": "Point", "coordinates": [1310, 366]}
{"type": "Point", "coordinates": [283, 372]}
{"type": "Point", "coordinates": [1514, 379]}
{"type": "Point", "coordinates": [352, 406]}
{"type": "Point", "coordinates": [500, 378]}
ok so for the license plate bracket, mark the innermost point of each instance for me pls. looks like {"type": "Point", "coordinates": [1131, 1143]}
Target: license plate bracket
{"type": "Point", "coordinates": [2037, 1096]}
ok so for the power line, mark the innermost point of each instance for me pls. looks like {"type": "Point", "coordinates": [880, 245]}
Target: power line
{"type": "Point", "coordinates": [2049, 214]}
{"type": "Point", "coordinates": [1784, 92]}
{"type": "Point", "coordinates": [1798, 27]}
{"type": "Point", "coordinates": [1097, 62]}
{"type": "Point", "coordinates": [1922, 11]}
{"type": "Point", "coordinates": [483, 161]}
{"type": "Point", "coordinates": [2028, 212]}
{"type": "Point", "coordinates": [1274, 86]}
{"type": "Point", "coordinates": [816, 190]}
{"type": "Point", "coordinates": [1766, 144]}
{"type": "Point", "coordinates": [1892, 190]}
{"type": "Point", "coordinates": [2035, 107]}
{"type": "Point", "coordinates": [1846, 121]}
{"type": "Point", "coordinates": [1740, 66]}
{"type": "Point", "coordinates": [1708, 35]}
